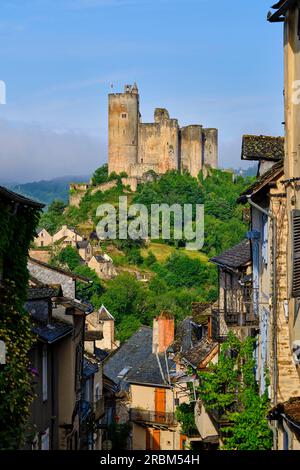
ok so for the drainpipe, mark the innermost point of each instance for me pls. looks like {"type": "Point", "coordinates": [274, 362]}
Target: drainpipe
{"type": "Point", "coordinates": [274, 295]}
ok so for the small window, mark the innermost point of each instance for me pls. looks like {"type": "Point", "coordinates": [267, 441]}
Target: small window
{"type": "Point", "coordinates": [42, 243]}
{"type": "Point", "coordinates": [124, 115]}
{"type": "Point", "coordinates": [45, 373]}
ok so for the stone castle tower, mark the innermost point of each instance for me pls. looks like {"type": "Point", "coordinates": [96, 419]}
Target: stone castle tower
{"type": "Point", "coordinates": [136, 148]}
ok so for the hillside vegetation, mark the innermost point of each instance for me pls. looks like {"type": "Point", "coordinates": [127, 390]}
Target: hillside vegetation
{"type": "Point", "coordinates": [176, 277]}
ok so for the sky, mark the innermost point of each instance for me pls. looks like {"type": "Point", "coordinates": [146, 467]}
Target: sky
{"type": "Point", "coordinates": [215, 63]}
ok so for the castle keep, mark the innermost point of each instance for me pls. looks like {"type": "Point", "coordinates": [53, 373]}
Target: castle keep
{"type": "Point", "coordinates": [136, 148]}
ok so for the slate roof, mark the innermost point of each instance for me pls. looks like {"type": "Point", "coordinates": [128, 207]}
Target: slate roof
{"type": "Point", "coordinates": [52, 333]}
{"type": "Point", "coordinates": [100, 354]}
{"type": "Point", "coordinates": [74, 304]}
{"type": "Point", "coordinates": [262, 147]}
{"type": "Point", "coordinates": [103, 314]}
{"type": "Point", "coordinates": [262, 181]}
{"type": "Point", "coordinates": [89, 368]}
{"type": "Point", "coordinates": [59, 270]}
{"type": "Point", "coordinates": [101, 259]}
{"type": "Point", "coordinates": [132, 353]}
{"type": "Point", "coordinates": [281, 8]}
{"type": "Point", "coordinates": [199, 352]}
{"type": "Point", "coordinates": [235, 257]}
{"type": "Point", "coordinates": [289, 410]}
{"type": "Point", "coordinates": [83, 244]}
{"type": "Point", "coordinates": [148, 373]}
{"type": "Point", "coordinates": [14, 197]}
{"type": "Point", "coordinates": [43, 292]}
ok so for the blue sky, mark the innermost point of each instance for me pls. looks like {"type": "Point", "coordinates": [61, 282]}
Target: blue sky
{"type": "Point", "coordinates": [217, 63]}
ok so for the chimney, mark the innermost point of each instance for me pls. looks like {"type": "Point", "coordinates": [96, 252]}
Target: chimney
{"type": "Point", "coordinates": [163, 332]}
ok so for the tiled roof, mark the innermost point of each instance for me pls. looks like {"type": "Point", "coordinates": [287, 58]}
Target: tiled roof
{"type": "Point", "coordinates": [149, 371]}
{"type": "Point", "coordinates": [42, 292]}
{"type": "Point", "coordinates": [83, 244]}
{"type": "Point", "coordinates": [131, 354]}
{"type": "Point", "coordinates": [199, 352]}
{"type": "Point", "coordinates": [289, 410]}
{"type": "Point", "coordinates": [261, 182]}
{"type": "Point", "coordinates": [262, 147]}
{"type": "Point", "coordinates": [89, 368]}
{"type": "Point", "coordinates": [103, 314]}
{"type": "Point", "coordinates": [235, 257]}
{"type": "Point", "coordinates": [52, 333]}
{"type": "Point", "coordinates": [74, 304]}
{"type": "Point", "coordinates": [14, 197]}
{"type": "Point", "coordinates": [59, 270]}
{"type": "Point", "coordinates": [101, 259]}
{"type": "Point", "coordinates": [281, 8]}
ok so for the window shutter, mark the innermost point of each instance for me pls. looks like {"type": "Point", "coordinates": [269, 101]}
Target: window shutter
{"type": "Point", "coordinates": [296, 253]}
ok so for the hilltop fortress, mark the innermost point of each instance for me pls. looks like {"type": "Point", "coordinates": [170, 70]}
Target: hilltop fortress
{"type": "Point", "coordinates": [137, 148]}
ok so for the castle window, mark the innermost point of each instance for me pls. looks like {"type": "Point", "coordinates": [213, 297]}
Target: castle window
{"type": "Point", "coordinates": [124, 115]}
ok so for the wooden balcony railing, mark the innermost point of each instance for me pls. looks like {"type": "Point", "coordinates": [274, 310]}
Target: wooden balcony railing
{"type": "Point", "coordinates": [152, 417]}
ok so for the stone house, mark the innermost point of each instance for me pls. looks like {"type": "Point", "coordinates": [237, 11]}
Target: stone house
{"type": "Point", "coordinates": [269, 235]}
{"type": "Point", "coordinates": [57, 359]}
{"type": "Point", "coordinates": [43, 238]}
{"type": "Point", "coordinates": [103, 266]}
{"type": "Point", "coordinates": [92, 404]}
{"type": "Point", "coordinates": [287, 13]}
{"type": "Point", "coordinates": [234, 310]}
{"type": "Point", "coordinates": [67, 236]}
{"type": "Point", "coordinates": [85, 250]}
{"type": "Point", "coordinates": [101, 322]}
{"type": "Point", "coordinates": [142, 371]}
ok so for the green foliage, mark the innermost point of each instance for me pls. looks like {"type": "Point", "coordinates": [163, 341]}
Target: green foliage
{"type": "Point", "coordinates": [128, 325]}
{"type": "Point", "coordinates": [91, 292]}
{"type": "Point", "coordinates": [230, 389]}
{"type": "Point", "coordinates": [15, 327]}
{"type": "Point", "coordinates": [182, 271]}
{"type": "Point", "coordinates": [69, 256]}
{"type": "Point", "coordinates": [119, 435]}
{"type": "Point", "coordinates": [100, 176]}
{"type": "Point", "coordinates": [185, 416]}
{"type": "Point", "coordinates": [150, 260]}
{"type": "Point", "coordinates": [224, 226]}
{"type": "Point", "coordinates": [53, 219]}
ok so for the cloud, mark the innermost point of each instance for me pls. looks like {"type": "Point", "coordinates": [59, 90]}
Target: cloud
{"type": "Point", "coordinates": [30, 152]}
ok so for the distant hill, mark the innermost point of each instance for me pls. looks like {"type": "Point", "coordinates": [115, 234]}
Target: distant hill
{"type": "Point", "coordinates": [46, 191]}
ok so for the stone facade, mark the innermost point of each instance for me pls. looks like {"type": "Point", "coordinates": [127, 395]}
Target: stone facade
{"type": "Point", "coordinates": [137, 148]}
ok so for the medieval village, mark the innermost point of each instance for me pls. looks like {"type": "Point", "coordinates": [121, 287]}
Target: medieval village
{"type": "Point", "coordinates": [110, 344]}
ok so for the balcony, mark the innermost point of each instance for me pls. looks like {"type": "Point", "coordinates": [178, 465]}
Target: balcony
{"type": "Point", "coordinates": [99, 408]}
{"type": "Point", "coordinates": [152, 417]}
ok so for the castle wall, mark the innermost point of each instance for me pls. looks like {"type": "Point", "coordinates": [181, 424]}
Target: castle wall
{"type": "Point", "coordinates": [149, 144]}
{"type": "Point", "coordinates": [211, 147]}
{"type": "Point", "coordinates": [136, 147]}
{"type": "Point", "coordinates": [123, 119]}
{"type": "Point", "coordinates": [191, 149]}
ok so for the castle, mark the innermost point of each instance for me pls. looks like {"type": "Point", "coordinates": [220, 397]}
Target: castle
{"type": "Point", "coordinates": [137, 148]}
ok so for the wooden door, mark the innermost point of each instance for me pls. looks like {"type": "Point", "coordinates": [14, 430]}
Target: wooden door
{"type": "Point", "coordinates": [160, 405]}
{"type": "Point", "coordinates": [148, 439]}
{"type": "Point", "coordinates": [156, 439]}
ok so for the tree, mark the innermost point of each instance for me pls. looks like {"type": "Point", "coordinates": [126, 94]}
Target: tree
{"type": "Point", "coordinates": [229, 387]}
{"type": "Point", "coordinates": [100, 176]}
{"type": "Point", "coordinates": [92, 292]}
{"type": "Point", "coordinates": [70, 257]}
